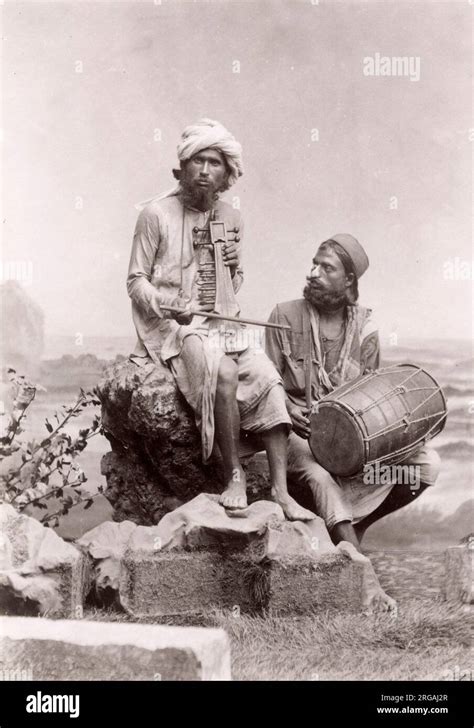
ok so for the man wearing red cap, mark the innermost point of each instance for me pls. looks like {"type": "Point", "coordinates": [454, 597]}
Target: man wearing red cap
{"type": "Point", "coordinates": [334, 340]}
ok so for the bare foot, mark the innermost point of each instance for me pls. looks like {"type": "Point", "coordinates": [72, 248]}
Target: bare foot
{"type": "Point", "coordinates": [235, 495]}
{"type": "Point", "coordinates": [292, 510]}
{"type": "Point", "coordinates": [374, 599]}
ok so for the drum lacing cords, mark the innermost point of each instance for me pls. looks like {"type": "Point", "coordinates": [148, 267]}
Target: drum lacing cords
{"type": "Point", "coordinates": [399, 389]}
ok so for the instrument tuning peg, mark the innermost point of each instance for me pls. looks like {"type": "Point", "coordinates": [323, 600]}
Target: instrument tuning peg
{"type": "Point", "coordinates": [234, 230]}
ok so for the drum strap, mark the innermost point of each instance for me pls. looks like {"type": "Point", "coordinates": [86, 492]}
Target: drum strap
{"type": "Point", "coordinates": [308, 358]}
{"type": "Point", "coordinates": [313, 350]}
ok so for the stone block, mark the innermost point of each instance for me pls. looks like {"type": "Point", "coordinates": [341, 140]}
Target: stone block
{"type": "Point", "coordinates": [182, 583]}
{"type": "Point", "coordinates": [68, 650]}
{"type": "Point", "coordinates": [295, 538]}
{"type": "Point", "coordinates": [39, 572]}
{"type": "Point", "coordinates": [302, 585]}
{"type": "Point", "coordinates": [105, 545]}
{"type": "Point", "coordinates": [459, 579]}
{"type": "Point", "coordinates": [289, 568]}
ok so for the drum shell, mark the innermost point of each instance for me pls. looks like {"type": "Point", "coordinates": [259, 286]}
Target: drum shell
{"type": "Point", "coordinates": [384, 416]}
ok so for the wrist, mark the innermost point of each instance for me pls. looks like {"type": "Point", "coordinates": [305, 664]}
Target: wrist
{"type": "Point", "coordinates": [289, 405]}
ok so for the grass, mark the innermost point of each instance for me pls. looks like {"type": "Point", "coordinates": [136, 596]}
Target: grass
{"type": "Point", "coordinates": [425, 641]}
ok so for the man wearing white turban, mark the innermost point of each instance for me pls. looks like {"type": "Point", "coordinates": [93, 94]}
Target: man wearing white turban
{"type": "Point", "coordinates": [171, 265]}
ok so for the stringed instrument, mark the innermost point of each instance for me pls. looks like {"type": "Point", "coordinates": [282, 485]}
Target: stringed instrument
{"type": "Point", "coordinates": [230, 335]}
{"type": "Point", "coordinates": [216, 291]}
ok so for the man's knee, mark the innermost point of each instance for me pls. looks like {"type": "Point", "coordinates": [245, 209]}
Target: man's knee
{"type": "Point", "coordinates": [192, 349]}
{"type": "Point", "coordinates": [227, 377]}
{"type": "Point", "coordinates": [311, 474]}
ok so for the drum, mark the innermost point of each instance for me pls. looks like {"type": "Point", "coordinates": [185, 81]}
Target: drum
{"type": "Point", "coordinates": [382, 417]}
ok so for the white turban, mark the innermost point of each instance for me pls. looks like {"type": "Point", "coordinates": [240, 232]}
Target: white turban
{"type": "Point", "coordinates": [209, 134]}
{"type": "Point", "coordinates": [206, 134]}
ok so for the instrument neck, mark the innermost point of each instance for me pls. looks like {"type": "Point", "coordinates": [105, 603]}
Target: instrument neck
{"type": "Point", "coordinates": [226, 302]}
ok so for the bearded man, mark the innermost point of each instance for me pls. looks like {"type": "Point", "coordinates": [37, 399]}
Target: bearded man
{"type": "Point", "coordinates": [343, 345]}
{"type": "Point", "coordinates": [171, 265]}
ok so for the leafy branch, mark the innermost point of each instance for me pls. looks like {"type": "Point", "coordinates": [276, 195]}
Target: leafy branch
{"type": "Point", "coordinates": [35, 471]}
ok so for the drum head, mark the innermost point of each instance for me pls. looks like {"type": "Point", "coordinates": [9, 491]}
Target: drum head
{"type": "Point", "coordinates": [336, 440]}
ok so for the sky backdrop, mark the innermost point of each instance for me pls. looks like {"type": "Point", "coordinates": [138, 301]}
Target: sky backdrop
{"type": "Point", "coordinates": [96, 94]}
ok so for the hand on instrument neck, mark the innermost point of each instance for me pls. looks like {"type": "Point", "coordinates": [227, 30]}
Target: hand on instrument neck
{"type": "Point", "coordinates": [230, 256]}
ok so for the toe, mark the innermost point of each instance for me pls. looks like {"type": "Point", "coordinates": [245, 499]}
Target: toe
{"type": "Point", "coordinates": [237, 502]}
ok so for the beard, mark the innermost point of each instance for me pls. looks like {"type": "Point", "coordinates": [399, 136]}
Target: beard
{"type": "Point", "coordinates": [202, 198]}
{"type": "Point", "coordinates": [325, 300]}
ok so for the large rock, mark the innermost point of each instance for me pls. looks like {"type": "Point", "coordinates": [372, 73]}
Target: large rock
{"type": "Point", "coordinates": [39, 572]}
{"type": "Point", "coordinates": [155, 464]}
{"type": "Point", "coordinates": [22, 330]}
{"type": "Point", "coordinates": [58, 650]}
{"type": "Point", "coordinates": [204, 524]}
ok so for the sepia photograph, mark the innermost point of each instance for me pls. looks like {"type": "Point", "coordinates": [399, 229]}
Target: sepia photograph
{"type": "Point", "coordinates": [237, 383]}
